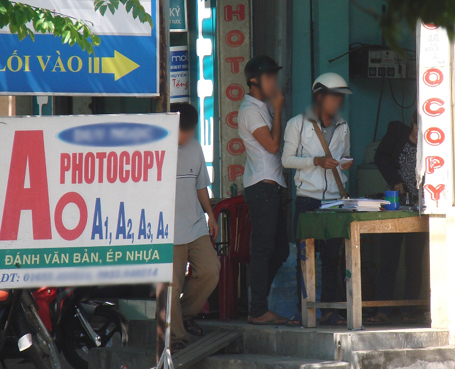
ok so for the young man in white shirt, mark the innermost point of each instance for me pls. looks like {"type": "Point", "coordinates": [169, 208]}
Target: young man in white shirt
{"type": "Point", "coordinates": [193, 235]}
{"type": "Point", "coordinates": [260, 129]}
{"type": "Point", "coordinates": [314, 179]}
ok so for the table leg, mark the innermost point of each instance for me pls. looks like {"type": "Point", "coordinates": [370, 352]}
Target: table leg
{"type": "Point", "coordinates": [309, 277]}
{"type": "Point", "coordinates": [354, 279]}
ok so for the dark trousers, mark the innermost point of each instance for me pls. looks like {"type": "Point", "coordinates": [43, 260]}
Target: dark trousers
{"type": "Point", "coordinates": [269, 247]}
{"type": "Point", "coordinates": [329, 253]}
{"type": "Point", "coordinates": [414, 244]}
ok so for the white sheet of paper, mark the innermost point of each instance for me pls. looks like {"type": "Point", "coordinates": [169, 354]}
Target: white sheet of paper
{"type": "Point", "coordinates": [345, 160]}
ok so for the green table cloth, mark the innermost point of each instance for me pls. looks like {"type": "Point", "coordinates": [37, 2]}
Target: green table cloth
{"type": "Point", "coordinates": [326, 224]}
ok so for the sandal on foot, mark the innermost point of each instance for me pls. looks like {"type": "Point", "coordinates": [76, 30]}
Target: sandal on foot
{"type": "Point", "coordinates": [379, 319]}
{"type": "Point", "coordinates": [334, 319]}
{"type": "Point", "coordinates": [193, 328]}
{"type": "Point", "coordinates": [295, 321]}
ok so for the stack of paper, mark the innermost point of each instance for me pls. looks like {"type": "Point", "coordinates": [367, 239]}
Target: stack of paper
{"type": "Point", "coordinates": [364, 204]}
{"type": "Point", "coordinates": [355, 204]}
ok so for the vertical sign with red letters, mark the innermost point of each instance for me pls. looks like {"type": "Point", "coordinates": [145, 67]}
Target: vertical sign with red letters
{"type": "Point", "coordinates": [234, 53]}
{"type": "Point", "coordinates": [435, 112]}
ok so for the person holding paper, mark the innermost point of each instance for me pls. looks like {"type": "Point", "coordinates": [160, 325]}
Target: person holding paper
{"type": "Point", "coordinates": [396, 159]}
{"type": "Point", "coordinates": [317, 173]}
{"type": "Point", "coordinates": [193, 235]}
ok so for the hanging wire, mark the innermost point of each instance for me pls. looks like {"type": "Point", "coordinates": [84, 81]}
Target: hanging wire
{"type": "Point", "coordinates": [379, 109]}
{"type": "Point", "coordinates": [396, 101]}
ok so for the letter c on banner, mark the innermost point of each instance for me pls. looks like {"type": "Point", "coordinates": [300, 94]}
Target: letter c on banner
{"type": "Point", "coordinates": [65, 233]}
{"type": "Point", "coordinates": [231, 119]}
{"type": "Point", "coordinates": [434, 136]}
{"type": "Point", "coordinates": [427, 107]}
{"type": "Point", "coordinates": [235, 147]}
{"type": "Point", "coordinates": [432, 163]}
{"type": "Point", "coordinates": [433, 77]}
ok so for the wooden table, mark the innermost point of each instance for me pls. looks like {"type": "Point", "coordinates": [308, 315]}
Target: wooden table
{"type": "Point", "coordinates": [353, 265]}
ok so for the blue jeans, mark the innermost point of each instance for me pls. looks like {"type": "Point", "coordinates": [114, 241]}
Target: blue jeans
{"type": "Point", "coordinates": [329, 253]}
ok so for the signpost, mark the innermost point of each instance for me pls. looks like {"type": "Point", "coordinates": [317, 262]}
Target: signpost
{"type": "Point", "coordinates": [177, 16]}
{"type": "Point", "coordinates": [179, 86]}
{"type": "Point", "coordinates": [87, 200]}
{"type": "Point", "coordinates": [435, 112]}
{"type": "Point", "coordinates": [125, 64]}
{"type": "Point", "coordinates": [234, 53]}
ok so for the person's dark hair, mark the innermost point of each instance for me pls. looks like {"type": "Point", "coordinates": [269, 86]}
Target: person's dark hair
{"type": "Point", "coordinates": [188, 115]}
{"type": "Point", "coordinates": [257, 66]}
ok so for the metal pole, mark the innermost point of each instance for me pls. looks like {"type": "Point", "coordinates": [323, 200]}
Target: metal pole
{"type": "Point", "coordinates": [163, 103]}
{"type": "Point", "coordinates": [163, 292]}
{"type": "Point", "coordinates": [165, 360]}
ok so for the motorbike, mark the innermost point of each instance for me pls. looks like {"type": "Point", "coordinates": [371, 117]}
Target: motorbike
{"type": "Point", "coordinates": [23, 333]}
{"type": "Point", "coordinates": [78, 321]}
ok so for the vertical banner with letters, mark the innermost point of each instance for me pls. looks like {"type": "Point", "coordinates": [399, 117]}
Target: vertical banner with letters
{"type": "Point", "coordinates": [435, 152]}
{"type": "Point", "coordinates": [87, 200]}
{"type": "Point", "coordinates": [234, 52]}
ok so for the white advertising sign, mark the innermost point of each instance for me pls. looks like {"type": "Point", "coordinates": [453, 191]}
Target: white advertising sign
{"type": "Point", "coordinates": [435, 113]}
{"type": "Point", "coordinates": [179, 74]}
{"type": "Point", "coordinates": [87, 200]}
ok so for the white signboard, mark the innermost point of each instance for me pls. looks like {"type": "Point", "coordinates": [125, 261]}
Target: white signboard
{"type": "Point", "coordinates": [179, 74]}
{"type": "Point", "coordinates": [87, 200]}
{"type": "Point", "coordinates": [435, 113]}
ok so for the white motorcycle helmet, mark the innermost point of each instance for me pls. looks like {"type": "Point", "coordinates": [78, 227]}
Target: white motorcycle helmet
{"type": "Point", "coordinates": [331, 82]}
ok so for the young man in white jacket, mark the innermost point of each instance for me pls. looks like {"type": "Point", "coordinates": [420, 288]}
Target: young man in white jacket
{"type": "Point", "coordinates": [314, 179]}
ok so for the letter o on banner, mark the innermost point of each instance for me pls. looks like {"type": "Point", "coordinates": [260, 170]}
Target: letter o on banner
{"type": "Point", "coordinates": [65, 233]}
{"type": "Point", "coordinates": [434, 136]}
{"type": "Point", "coordinates": [429, 105]}
{"type": "Point", "coordinates": [235, 92]}
{"type": "Point", "coordinates": [235, 147]}
{"type": "Point", "coordinates": [234, 38]}
{"type": "Point", "coordinates": [231, 119]}
{"type": "Point", "coordinates": [433, 77]}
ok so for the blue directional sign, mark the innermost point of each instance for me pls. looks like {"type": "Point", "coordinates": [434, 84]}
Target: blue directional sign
{"type": "Point", "coordinates": [124, 64]}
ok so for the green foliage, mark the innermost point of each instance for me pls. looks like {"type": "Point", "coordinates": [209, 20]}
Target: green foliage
{"type": "Point", "coordinates": [19, 17]}
{"type": "Point", "coordinates": [438, 12]}
{"type": "Point", "coordinates": [135, 6]}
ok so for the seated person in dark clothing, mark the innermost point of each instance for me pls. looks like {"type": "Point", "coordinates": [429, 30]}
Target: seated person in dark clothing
{"type": "Point", "coordinates": [396, 159]}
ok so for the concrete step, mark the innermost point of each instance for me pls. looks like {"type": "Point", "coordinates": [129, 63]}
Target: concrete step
{"type": "Point", "coordinates": [327, 343]}
{"type": "Point", "coordinates": [433, 357]}
{"type": "Point", "coordinates": [266, 362]}
{"type": "Point", "coordinates": [122, 357]}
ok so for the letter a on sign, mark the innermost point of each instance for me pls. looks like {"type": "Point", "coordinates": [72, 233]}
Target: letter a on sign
{"type": "Point", "coordinates": [28, 151]}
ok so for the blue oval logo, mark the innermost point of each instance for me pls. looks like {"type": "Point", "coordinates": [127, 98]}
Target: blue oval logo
{"type": "Point", "coordinates": [113, 134]}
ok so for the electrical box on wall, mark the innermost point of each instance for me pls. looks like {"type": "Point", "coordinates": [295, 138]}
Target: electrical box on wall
{"type": "Point", "coordinates": [385, 63]}
{"type": "Point", "coordinates": [376, 62]}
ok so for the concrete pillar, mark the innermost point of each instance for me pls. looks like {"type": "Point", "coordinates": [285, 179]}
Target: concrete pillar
{"type": "Point", "coordinates": [442, 273]}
